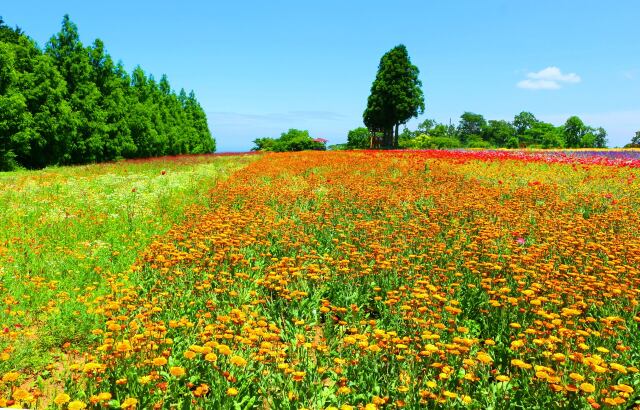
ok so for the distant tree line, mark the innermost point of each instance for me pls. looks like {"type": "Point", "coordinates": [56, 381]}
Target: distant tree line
{"type": "Point", "coordinates": [396, 97]}
{"type": "Point", "coordinates": [474, 131]}
{"type": "Point", "coordinates": [292, 140]}
{"type": "Point", "coordinates": [635, 141]}
{"type": "Point", "coordinates": [71, 104]}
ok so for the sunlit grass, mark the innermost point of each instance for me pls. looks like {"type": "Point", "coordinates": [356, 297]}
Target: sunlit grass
{"type": "Point", "coordinates": [64, 229]}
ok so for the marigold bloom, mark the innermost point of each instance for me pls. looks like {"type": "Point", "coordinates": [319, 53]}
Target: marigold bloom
{"type": "Point", "coordinates": [76, 405]}
{"type": "Point", "coordinates": [10, 377]}
{"type": "Point", "coordinates": [224, 349]}
{"type": "Point", "coordinates": [129, 403]}
{"type": "Point", "coordinates": [238, 361]}
{"type": "Point", "coordinates": [159, 361]}
{"type": "Point", "coordinates": [484, 358]}
{"type": "Point", "coordinates": [21, 395]}
{"type": "Point", "coordinates": [104, 396]}
{"type": "Point", "coordinates": [232, 391]}
{"type": "Point", "coordinates": [587, 387]}
{"type": "Point", "coordinates": [61, 399]}
{"type": "Point", "coordinates": [177, 371]}
{"type": "Point", "coordinates": [623, 388]}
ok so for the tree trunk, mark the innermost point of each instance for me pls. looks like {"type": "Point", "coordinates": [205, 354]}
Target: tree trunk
{"type": "Point", "coordinates": [395, 137]}
{"type": "Point", "coordinates": [388, 137]}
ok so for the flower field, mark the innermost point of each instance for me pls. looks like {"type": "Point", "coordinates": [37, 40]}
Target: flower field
{"type": "Point", "coordinates": [377, 280]}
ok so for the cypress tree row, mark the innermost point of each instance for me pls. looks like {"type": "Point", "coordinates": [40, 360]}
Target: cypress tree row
{"type": "Point", "coordinates": [71, 104]}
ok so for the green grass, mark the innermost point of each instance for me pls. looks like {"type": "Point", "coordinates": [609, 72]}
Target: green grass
{"type": "Point", "coordinates": [65, 229]}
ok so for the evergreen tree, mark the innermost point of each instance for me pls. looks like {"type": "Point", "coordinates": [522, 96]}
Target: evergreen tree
{"type": "Point", "coordinates": [72, 104]}
{"type": "Point", "coordinates": [396, 96]}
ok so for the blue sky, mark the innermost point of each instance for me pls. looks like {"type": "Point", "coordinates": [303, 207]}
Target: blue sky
{"type": "Point", "coordinates": [259, 68]}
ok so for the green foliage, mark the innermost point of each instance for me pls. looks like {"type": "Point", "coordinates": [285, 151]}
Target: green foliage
{"type": "Point", "coordinates": [338, 147]}
{"type": "Point", "coordinates": [513, 142]}
{"type": "Point", "coordinates": [70, 104]}
{"type": "Point", "coordinates": [396, 95]}
{"type": "Point", "coordinates": [477, 142]}
{"type": "Point", "coordinates": [574, 130]}
{"type": "Point", "coordinates": [523, 122]}
{"type": "Point", "coordinates": [542, 134]}
{"type": "Point", "coordinates": [579, 135]}
{"type": "Point", "coordinates": [424, 141]}
{"type": "Point", "coordinates": [359, 138]}
{"type": "Point", "coordinates": [292, 140]}
{"type": "Point", "coordinates": [635, 141]}
{"type": "Point", "coordinates": [499, 132]}
{"type": "Point", "coordinates": [473, 131]}
{"type": "Point", "coordinates": [471, 127]}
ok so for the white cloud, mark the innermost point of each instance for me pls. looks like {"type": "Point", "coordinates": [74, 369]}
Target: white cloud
{"type": "Point", "coordinates": [550, 78]}
{"type": "Point", "coordinates": [538, 84]}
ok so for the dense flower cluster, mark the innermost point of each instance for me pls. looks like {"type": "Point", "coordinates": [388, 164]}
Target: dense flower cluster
{"type": "Point", "coordinates": [380, 280]}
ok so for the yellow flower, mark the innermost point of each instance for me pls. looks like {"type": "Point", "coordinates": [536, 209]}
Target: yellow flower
{"type": "Point", "coordinates": [232, 391]}
{"type": "Point", "coordinates": [587, 387]}
{"type": "Point", "coordinates": [238, 361]}
{"type": "Point", "coordinates": [484, 358]}
{"type": "Point", "coordinates": [344, 390]}
{"type": "Point", "coordinates": [224, 349]}
{"type": "Point", "coordinates": [104, 396]}
{"type": "Point", "coordinates": [61, 399]}
{"type": "Point", "coordinates": [21, 395]}
{"type": "Point", "coordinates": [623, 388]}
{"type": "Point", "coordinates": [177, 371]}
{"type": "Point", "coordinates": [10, 377]}
{"type": "Point", "coordinates": [618, 367]}
{"type": "Point", "coordinates": [123, 346]}
{"type": "Point", "coordinates": [129, 403]}
{"type": "Point", "coordinates": [159, 361]}
{"type": "Point", "coordinates": [144, 379]}
{"type": "Point", "coordinates": [577, 377]}
{"type": "Point", "coordinates": [189, 354]}
{"type": "Point", "coordinates": [211, 357]}
{"type": "Point", "coordinates": [503, 378]}
{"type": "Point", "coordinates": [76, 405]}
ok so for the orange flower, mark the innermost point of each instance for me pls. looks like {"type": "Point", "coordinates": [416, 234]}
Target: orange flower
{"type": "Point", "coordinates": [159, 361]}
{"type": "Point", "coordinates": [177, 371]}
{"type": "Point", "coordinates": [587, 387]}
{"type": "Point", "coordinates": [238, 361]}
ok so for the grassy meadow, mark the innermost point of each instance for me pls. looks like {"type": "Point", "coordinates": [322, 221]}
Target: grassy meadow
{"type": "Point", "coordinates": [64, 230]}
{"type": "Point", "coordinates": [323, 280]}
